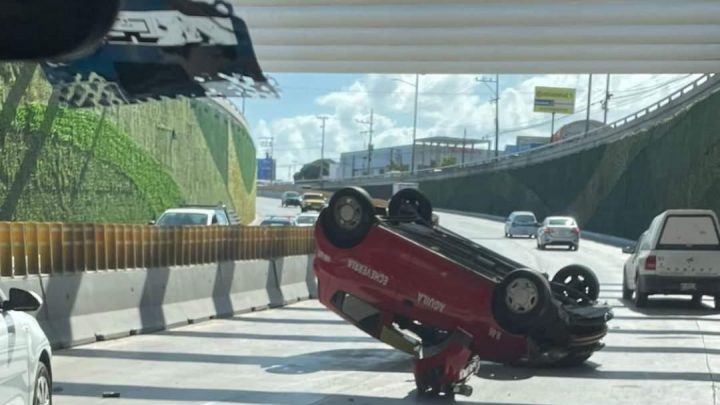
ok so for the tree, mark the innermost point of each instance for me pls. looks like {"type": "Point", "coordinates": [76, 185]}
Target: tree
{"type": "Point", "coordinates": [448, 161]}
{"type": "Point", "coordinates": [311, 171]}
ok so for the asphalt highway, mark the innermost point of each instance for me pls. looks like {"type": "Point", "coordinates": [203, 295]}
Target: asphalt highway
{"type": "Point", "coordinates": [668, 353]}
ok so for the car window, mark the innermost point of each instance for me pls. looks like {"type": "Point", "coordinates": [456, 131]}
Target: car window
{"type": "Point", "coordinates": [222, 218]}
{"type": "Point", "coordinates": [307, 219]}
{"type": "Point", "coordinates": [182, 218]}
{"type": "Point", "coordinates": [524, 219]}
{"type": "Point", "coordinates": [689, 232]}
{"type": "Point", "coordinates": [561, 222]}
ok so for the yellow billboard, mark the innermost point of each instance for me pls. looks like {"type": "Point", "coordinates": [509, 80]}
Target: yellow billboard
{"type": "Point", "coordinates": [559, 100]}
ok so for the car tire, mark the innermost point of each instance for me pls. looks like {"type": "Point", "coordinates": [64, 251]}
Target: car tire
{"type": "Point", "coordinates": [520, 301]}
{"type": "Point", "coordinates": [349, 217]}
{"type": "Point", "coordinates": [541, 246]}
{"type": "Point", "coordinates": [640, 299]}
{"type": "Point", "coordinates": [696, 300]}
{"type": "Point", "coordinates": [627, 293]}
{"type": "Point", "coordinates": [717, 302]}
{"type": "Point", "coordinates": [580, 278]}
{"type": "Point", "coordinates": [409, 200]}
{"type": "Point", "coordinates": [42, 393]}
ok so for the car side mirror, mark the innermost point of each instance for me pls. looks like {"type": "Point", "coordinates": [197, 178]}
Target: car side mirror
{"type": "Point", "coordinates": [628, 249]}
{"type": "Point", "coordinates": [151, 222]}
{"type": "Point", "coordinates": [538, 224]}
{"type": "Point", "coordinates": [22, 300]}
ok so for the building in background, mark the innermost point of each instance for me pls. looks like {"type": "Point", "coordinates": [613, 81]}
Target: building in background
{"type": "Point", "coordinates": [525, 143]}
{"type": "Point", "coordinates": [574, 129]}
{"type": "Point", "coordinates": [266, 169]}
{"type": "Point", "coordinates": [429, 153]}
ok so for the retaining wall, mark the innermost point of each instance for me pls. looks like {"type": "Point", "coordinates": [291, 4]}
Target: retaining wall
{"type": "Point", "coordinates": [85, 307]}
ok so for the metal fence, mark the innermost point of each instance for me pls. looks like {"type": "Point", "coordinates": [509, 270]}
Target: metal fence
{"type": "Point", "coordinates": [30, 248]}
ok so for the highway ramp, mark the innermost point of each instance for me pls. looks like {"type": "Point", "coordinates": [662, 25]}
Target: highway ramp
{"type": "Point", "coordinates": [304, 354]}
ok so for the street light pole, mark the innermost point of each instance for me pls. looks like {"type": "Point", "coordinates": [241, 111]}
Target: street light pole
{"type": "Point", "coordinates": [497, 113]}
{"type": "Point", "coordinates": [496, 100]}
{"type": "Point", "coordinates": [607, 98]}
{"type": "Point", "coordinates": [322, 153]}
{"type": "Point", "coordinates": [414, 134]}
{"type": "Point", "coordinates": [587, 120]}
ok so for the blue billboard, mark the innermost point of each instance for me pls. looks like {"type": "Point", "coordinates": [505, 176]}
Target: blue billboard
{"type": "Point", "coordinates": [266, 169]}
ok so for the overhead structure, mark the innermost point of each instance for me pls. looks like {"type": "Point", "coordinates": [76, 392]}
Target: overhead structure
{"type": "Point", "coordinates": [486, 36]}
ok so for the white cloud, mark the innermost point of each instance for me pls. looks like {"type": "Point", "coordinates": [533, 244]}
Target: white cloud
{"type": "Point", "coordinates": [447, 105]}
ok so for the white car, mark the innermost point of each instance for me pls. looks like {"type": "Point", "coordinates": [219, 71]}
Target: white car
{"type": "Point", "coordinates": [559, 231]}
{"type": "Point", "coordinates": [25, 355]}
{"type": "Point", "coordinates": [678, 254]}
{"type": "Point", "coordinates": [195, 215]}
{"type": "Point", "coordinates": [306, 219]}
{"type": "Point", "coordinates": [521, 223]}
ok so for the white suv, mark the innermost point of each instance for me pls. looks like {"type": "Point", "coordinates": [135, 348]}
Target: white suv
{"type": "Point", "coordinates": [25, 355]}
{"type": "Point", "coordinates": [678, 254]}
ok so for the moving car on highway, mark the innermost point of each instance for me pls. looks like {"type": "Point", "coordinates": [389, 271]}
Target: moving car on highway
{"type": "Point", "coordinates": [197, 215]}
{"type": "Point", "coordinates": [678, 254]}
{"type": "Point", "coordinates": [562, 231]}
{"type": "Point", "coordinates": [276, 220]}
{"type": "Point", "coordinates": [313, 201]}
{"type": "Point", "coordinates": [521, 223]}
{"type": "Point", "coordinates": [291, 199]}
{"type": "Point", "coordinates": [306, 218]}
{"type": "Point", "coordinates": [25, 354]}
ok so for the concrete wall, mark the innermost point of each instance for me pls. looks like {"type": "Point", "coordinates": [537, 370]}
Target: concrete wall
{"type": "Point", "coordinates": [84, 307]}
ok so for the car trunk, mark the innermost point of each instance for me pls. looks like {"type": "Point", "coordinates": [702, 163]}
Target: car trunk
{"type": "Point", "coordinates": [561, 231]}
{"type": "Point", "coordinates": [688, 263]}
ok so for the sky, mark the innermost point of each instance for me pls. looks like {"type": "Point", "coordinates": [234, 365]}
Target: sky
{"type": "Point", "coordinates": [447, 106]}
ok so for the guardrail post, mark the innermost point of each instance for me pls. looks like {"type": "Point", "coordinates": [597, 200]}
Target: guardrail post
{"type": "Point", "coordinates": [90, 247]}
{"type": "Point", "coordinates": [43, 241]}
{"type": "Point", "coordinates": [6, 269]}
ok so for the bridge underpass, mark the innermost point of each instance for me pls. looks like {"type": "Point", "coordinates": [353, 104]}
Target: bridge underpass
{"type": "Point", "coordinates": [304, 354]}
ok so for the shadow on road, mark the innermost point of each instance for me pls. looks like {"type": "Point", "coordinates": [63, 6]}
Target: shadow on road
{"type": "Point", "coordinates": [379, 360]}
{"type": "Point", "coordinates": [256, 336]}
{"type": "Point", "coordinates": [587, 371]}
{"type": "Point", "coordinates": [179, 395]}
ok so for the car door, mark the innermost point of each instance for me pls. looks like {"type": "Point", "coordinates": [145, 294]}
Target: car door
{"type": "Point", "coordinates": [14, 371]}
{"type": "Point", "coordinates": [631, 264]}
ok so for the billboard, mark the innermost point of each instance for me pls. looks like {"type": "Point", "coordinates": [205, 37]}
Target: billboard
{"type": "Point", "coordinates": [559, 100]}
{"type": "Point", "coordinates": [266, 169]}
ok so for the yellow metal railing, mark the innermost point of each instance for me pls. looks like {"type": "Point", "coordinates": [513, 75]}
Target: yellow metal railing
{"type": "Point", "coordinates": [28, 248]}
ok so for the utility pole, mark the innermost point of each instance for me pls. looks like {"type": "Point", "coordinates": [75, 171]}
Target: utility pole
{"type": "Point", "coordinates": [415, 115]}
{"type": "Point", "coordinates": [370, 144]}
{"type": "Point", "coordinates": [462, 160]}
{"type": "Point", "coordinates": [587, 120]}
{"type": "Point", "coordinates": [607, 98]}
{"type": "Point", "coordinates": [496, 100]}
{"type": "Point", "coordinates": [322, 152]}
{"type": "Point", "coordinates": [415, 112]}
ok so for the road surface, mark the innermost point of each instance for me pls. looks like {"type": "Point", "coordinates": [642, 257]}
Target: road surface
{"type": "Point", "coordinates": [303, 354]}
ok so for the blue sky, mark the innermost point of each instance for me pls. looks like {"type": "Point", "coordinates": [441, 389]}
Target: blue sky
{"type": "Point", "coordinates": [448, 104]}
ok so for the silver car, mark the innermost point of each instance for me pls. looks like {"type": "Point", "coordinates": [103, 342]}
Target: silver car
{"type": "Point", "coordinates": [559, 231]}
{"type": "Point", "coordinates": [521, 223]}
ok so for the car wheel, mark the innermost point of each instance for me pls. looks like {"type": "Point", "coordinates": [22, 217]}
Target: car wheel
{"type": "Point", "coordinates": [641, 297]}
{"type": "Point", "coordinates": [349, 217]}
{"type": "Point", "coordinates": [43, 386]}
{"type": "Point", "coordinates": [577, 278]}
{"type": "Point", "coordinates": [541, 246]}
{"type": "Point", "coordinates": [520, 300]}
{"type": "Point", "coordinates": [696, 300]}
{"type": "Point", "coordinates": [410, 202]}
{"type": "Point", "coordinates": [627, 293]}
{"type": "Point", "coordinates": [717, 303]}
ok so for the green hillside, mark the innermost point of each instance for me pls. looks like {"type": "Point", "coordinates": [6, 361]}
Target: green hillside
{"type": "Point", "coordinates": [120, 164]}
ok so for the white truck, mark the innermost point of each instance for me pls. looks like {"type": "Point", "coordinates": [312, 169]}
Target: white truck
{"type": "Point", "coordinates": [678, 254]}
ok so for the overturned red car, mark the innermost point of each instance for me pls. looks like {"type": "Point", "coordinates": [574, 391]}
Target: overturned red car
{"type": "Point", "coordinates": [444, 299]}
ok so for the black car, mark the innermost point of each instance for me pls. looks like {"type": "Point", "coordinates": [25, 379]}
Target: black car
{"type": "Point", "coordinates": [291, 199]}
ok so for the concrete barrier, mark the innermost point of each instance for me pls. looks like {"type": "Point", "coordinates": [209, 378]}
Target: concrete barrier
{"type": "Point", "coordinates": [295, 278]}
{"type": "Point", "coordinates": [85, 307]}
